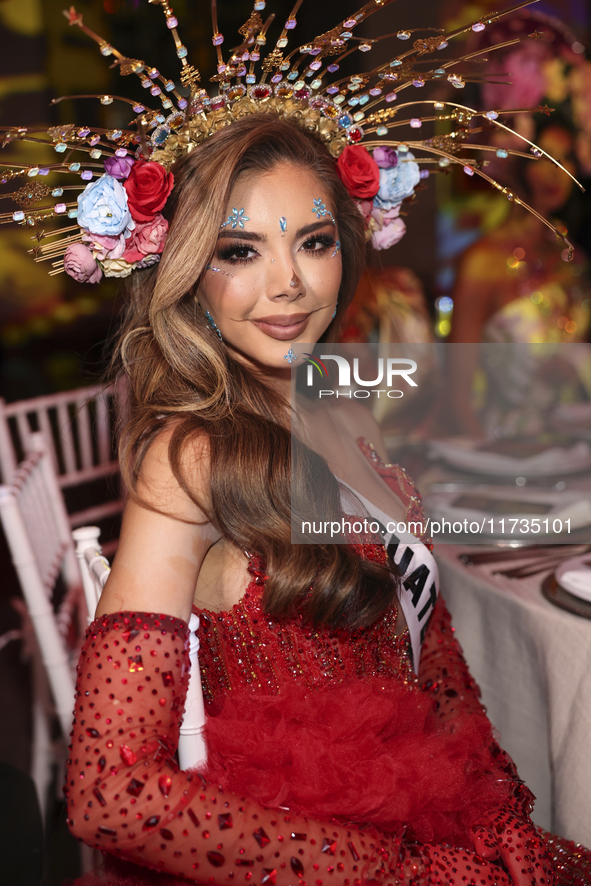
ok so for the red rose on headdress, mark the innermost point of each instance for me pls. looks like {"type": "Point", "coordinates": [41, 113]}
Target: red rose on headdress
{"type": "Point", "coordinates": [359, 172]}
{"type": "Point", "coordinates": [148, 186]}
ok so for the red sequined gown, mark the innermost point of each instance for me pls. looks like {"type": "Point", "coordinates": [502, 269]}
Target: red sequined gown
{"type": "Point", "coordinates": [330, 762]}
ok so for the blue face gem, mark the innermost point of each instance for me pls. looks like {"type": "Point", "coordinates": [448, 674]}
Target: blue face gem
{"type": "Point", "coordinates": [290, 356]}
{"type": "Point", "coordinates": [321, 210]}
{"type": "Point", "coordinates": [283, 224]}
{"type": "Point", "coordinates": [236, 219]}
{"type": "Point", "coordinates": [213, 324]}
{"type": "Point", "coordinates": [337, 249]}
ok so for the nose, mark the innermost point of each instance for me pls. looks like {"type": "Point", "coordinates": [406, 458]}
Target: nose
{"type": "Point", "coordinates": [283, 279]}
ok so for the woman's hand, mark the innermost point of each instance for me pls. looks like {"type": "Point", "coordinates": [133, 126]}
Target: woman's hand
{"type": "Point", "coordinates": [514, 841]}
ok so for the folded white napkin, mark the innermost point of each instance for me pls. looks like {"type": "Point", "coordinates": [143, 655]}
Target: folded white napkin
{"type": "Point", "coordinates": [575, 576]}
{"type": "Point", "coordinates": [465, 454]}
{"type": "Point", "coordinates": [553, 506]}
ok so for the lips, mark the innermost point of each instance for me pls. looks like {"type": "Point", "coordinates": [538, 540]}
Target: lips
{"type": "Point", "coordinates": [283, 327]}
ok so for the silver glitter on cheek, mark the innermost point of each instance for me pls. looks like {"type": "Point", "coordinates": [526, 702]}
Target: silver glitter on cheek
{"type": "Point", "coordinates": [218, 271]}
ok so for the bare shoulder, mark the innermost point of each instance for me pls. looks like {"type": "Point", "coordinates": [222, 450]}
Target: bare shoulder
{"type": "Point", "coordinates": [158, 486]}
{"type": "Point", "coordinates": [165, 535]}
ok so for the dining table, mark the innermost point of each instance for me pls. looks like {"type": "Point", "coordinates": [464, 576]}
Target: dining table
{"type": "Point", "coordinates": [532, 662]}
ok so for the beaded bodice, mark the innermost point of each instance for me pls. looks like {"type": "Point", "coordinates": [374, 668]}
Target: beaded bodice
{"type": "Point", "coordinates": [243, 648]}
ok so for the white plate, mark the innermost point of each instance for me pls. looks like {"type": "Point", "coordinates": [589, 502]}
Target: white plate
{"type": "Point", "coordinates": [575, 576]}
{"type": "Point", "coordinates": [465, 454]}
{"type": "Point", "coordinates": [507, 512]}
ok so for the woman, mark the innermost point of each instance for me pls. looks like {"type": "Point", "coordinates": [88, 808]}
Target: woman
{"type": "Point", "coordinates": [336, 762]}
{"type": "Point", "coordinates": [514, 290]}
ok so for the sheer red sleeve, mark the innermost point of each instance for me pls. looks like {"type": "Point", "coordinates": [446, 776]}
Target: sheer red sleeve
{"type": "Point", "coordinates": [127, 796]}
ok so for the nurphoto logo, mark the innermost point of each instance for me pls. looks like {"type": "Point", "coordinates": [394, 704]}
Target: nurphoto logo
{"type": "Point", "coordinates": [389, 370]}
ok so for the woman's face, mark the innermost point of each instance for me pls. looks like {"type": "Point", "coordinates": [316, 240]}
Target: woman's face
{"type": "Point", "coordinates": [549, 187]}
{"type": "Point", "coordinates": [274, 277]}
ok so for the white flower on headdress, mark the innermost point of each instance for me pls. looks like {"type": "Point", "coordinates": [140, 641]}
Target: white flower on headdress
{"type": "Point", "coordinates": [117, 267]}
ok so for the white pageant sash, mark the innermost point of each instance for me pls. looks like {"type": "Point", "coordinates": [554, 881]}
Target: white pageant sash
{"type": "Point", "coordinates": [416, 566]}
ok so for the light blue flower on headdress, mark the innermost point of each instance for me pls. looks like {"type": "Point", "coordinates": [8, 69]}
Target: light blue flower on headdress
{"type": "Point", "coordinates": [102, 207]}
{"type": "Point", "coordinates": [398, 182]}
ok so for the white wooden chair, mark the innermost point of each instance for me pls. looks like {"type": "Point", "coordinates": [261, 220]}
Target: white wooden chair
{"type": "Point", "coordinates": [37, 530]}
{"type": "Point", "coordinates": [78, 429]}
{"type": "Point", "coordinates": [95, 572]}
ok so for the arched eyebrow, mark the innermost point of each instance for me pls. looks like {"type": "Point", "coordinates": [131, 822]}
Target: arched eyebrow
{"type": "Point", "coordinates": [241, 235]}
{"type": "Point", "coordinates": [253, 237]}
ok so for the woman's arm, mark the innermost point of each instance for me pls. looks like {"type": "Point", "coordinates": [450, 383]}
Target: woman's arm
{"type": "Point", "coordinates": [126, 794]}
{"type": "Point", "coordinates": [164, 539]}
{"type": "Point", "coordinates": [474, 303]}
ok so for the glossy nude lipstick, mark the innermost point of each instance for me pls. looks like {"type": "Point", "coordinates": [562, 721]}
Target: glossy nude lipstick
{"type": "Point", "coordinates": [283, 327]}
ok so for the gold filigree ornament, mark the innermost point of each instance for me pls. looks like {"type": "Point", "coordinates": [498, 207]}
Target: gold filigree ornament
{"type": "Point", "coordinates": [299, 83]}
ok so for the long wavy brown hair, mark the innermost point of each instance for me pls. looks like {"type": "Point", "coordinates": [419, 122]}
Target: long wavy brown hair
{"type": "Point", "coordinates": [180, 376]}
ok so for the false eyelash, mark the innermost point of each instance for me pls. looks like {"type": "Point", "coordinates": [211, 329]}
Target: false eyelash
{"type": "Point", "coordinates": [326, 240]}
{"type": "Point", "coordinates": [228, 253]}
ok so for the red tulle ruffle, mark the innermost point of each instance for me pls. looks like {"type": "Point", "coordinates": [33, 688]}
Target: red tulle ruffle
{"type": "Point", "coordinates": [359, 752]}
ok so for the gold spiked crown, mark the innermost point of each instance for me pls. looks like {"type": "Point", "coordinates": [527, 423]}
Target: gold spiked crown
{"type": "Point", "coordinates": [124, 177]}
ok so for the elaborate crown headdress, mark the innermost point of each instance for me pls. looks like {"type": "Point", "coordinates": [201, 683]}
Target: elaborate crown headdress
{"type": "Point", "coordinates": [117, 216]}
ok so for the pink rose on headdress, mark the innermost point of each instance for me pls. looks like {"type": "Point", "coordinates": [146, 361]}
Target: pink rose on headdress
{"type": "Point", "coordinates": [80, 264]}
{"type": "Point", "coordinates": [389, 227]}
{"type": "Point", "coordinates": [365, 208]}
{"type": "Point", "coordinates": [119, 167]}
{"type": "Point", "coordinates": [146, 239]}
{"type": "Point", "coordinates": [385, 157]}
{"type": "Point", "coordinates": [148, 186]}
{"type": "Point", "coordinates": [359, 172]}
{"type": "Point", "coordinates": [389, 234]}
{"type": "Point", "coordinates": [104, 246]}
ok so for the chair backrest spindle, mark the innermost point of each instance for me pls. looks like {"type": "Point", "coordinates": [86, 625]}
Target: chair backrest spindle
{"type": "Point", "coordinates": [37, 531]}
{"type": "Point", "coordinates": [78, 429]}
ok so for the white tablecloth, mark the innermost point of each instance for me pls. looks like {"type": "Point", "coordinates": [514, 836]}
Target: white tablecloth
{"type": "Point", "coordinates": [533, 664]}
